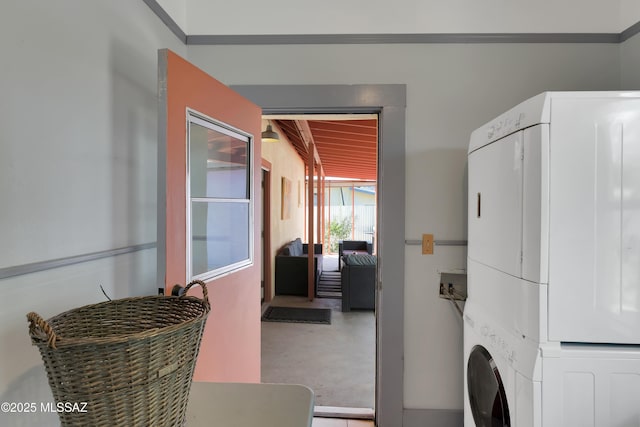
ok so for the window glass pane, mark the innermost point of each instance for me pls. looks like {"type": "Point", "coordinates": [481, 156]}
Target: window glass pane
{"type": "Point", "coordinates": [219, 235]}
{"type": "Point", "coordinates": [217, 164]}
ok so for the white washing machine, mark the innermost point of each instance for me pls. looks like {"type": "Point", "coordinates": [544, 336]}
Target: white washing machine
{"type": "Point", "coordinates": [502, 377]}
{"type": "Point", "coordinates": [554, 262]}
{"type": "Point", "coordinates": [511, 383]}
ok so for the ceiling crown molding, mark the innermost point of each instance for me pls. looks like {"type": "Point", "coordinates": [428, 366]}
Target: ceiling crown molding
{"type": "Point", "coordinates": [167, 20]}
{"type": "Point", "coordinates": [441, 38]}
{"type": "Point", "coordinates": [630, 32]}
{"type": "Point", "coordinates": [423, 38]}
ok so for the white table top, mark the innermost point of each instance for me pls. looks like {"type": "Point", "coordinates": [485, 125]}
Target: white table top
{"type": "Point", "coordinates": [249, 405]}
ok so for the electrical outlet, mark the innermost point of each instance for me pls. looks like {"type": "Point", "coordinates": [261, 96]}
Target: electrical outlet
{"type": "Point", "coordinates": [427, 244]}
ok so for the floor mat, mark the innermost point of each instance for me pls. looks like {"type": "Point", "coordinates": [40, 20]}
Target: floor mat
{"type": "Point", "coordinates": [297, 315]}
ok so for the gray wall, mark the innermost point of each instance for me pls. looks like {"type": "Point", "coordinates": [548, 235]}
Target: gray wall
{"type": "Point", "coordinates": [451, 90]}
{"type": "Point", "coordinates": [78, 126]}
{"type": "Point", "coordinates": [630, 63]}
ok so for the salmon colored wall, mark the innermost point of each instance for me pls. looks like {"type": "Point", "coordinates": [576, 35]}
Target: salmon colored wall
{"type": "Point", "coordinates": [230, 349]}
{"type": "Point", "coordinates": [286, 162]}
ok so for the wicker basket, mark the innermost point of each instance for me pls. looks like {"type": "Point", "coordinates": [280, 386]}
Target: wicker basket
{"type": "Point", "coordinates": [126, 362]}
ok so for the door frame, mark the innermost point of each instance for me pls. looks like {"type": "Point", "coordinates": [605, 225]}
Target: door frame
{"type": "Point", "coordinates": [389, 102]}
{"type": "Point", "coordinates": [266, 228]}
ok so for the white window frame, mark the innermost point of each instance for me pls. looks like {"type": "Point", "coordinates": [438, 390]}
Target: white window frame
{"type": "Point", "coordinates": [198, 118]}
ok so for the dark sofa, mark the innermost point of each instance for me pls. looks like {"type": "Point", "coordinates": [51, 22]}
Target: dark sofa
{"type": "Point", "coordinates": [353, 245]}
{"type": "Point", "coordinates": [292, 266]}
{"type": "Point", "coordinates": [359, 282]}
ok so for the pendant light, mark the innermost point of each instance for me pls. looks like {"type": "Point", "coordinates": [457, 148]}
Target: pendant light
{"type": "Point", "coordinates": [269, 135]}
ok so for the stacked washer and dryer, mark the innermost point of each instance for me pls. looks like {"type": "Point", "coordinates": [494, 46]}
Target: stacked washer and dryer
{"type": "Point", "coordinates": [552, 319]}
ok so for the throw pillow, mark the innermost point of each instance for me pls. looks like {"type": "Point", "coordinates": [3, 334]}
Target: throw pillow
{"type": "Point", "coordinates": [359, 259]}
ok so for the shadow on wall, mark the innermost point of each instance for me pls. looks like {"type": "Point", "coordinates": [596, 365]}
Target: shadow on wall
{"type": "Point", "coordinates": [29, 388]}
{"type": "Point", "coordinates": [134, 118]}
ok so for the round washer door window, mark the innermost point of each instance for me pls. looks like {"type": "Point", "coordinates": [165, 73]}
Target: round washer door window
{"type": "Point", "coordinates": [486, 392]}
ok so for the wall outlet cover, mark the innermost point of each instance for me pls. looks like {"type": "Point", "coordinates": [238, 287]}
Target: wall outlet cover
{"type": "Point", "coordinates": [427, 244]}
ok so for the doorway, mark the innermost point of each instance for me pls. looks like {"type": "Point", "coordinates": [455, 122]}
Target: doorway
{"type": "Point", "coordinates": [343, 353]}
{"type": "Point", "coordinates": [389, 102]}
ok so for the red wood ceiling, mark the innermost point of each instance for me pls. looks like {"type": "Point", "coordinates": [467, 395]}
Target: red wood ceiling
{"type": "Point", "coordinates": [347, 148]}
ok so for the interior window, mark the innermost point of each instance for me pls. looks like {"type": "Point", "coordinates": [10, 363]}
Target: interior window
{"type": "Point", "coordinates": [220, 223]}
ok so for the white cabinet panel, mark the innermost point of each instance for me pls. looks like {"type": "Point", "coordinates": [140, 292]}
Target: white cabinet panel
{"type": "Point", "coordinates": [535, 204]}
{"type": "Point", "coordinates": [495, 204]}
{"type": "Point", "coordinates": [591, 386]}
{"type": "Point", "coordinates": [594, 244]}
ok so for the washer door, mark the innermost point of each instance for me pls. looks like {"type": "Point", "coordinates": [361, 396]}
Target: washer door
{"type": "Point", "coordinates": [487, 398]}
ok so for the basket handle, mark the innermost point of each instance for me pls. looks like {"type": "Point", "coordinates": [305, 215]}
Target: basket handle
{"type": "Point", "coordinates": [35, 321]}
{"type": "Point", "coordinates": [205, 293]}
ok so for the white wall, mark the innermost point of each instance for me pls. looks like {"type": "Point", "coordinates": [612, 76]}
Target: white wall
{"type": "Point", "coordinates": [78, 126]}
{"type": "Point", "coordinates": [403, 16]}
{"type": "Point", "coordinates": [629, 13]}
{"type": "Point", "coordinates": [177, 9]}
{"type": "Point", "coordinates": [630, 60]}
{"type": "Point", "coordinates": [451, 90]}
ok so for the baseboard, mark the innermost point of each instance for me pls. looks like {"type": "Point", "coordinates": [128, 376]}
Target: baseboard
{"type": "Point", "coordinates": [340, 412]}
{"type": "Point", "coordinates": [432, 418]}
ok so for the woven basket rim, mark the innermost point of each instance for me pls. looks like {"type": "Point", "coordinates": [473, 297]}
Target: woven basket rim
{"type": "Point", "coordinates": [40, 338]}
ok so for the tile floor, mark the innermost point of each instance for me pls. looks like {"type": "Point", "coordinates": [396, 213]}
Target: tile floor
{"type": "Point", "coordinates": [334, 422]}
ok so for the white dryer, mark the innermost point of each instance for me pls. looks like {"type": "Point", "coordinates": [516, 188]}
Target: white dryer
{"type": "Point", "coordinates": [554, 260]}
{"type": "Point", "coordinates": [554, 200]}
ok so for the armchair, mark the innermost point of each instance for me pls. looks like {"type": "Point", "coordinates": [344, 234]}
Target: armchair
{"type": "Point", "coordinates": [359, 282]}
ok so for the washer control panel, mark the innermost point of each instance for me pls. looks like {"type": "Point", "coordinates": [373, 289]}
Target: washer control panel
{"type": "Point", "coordinates": [498, 343]}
